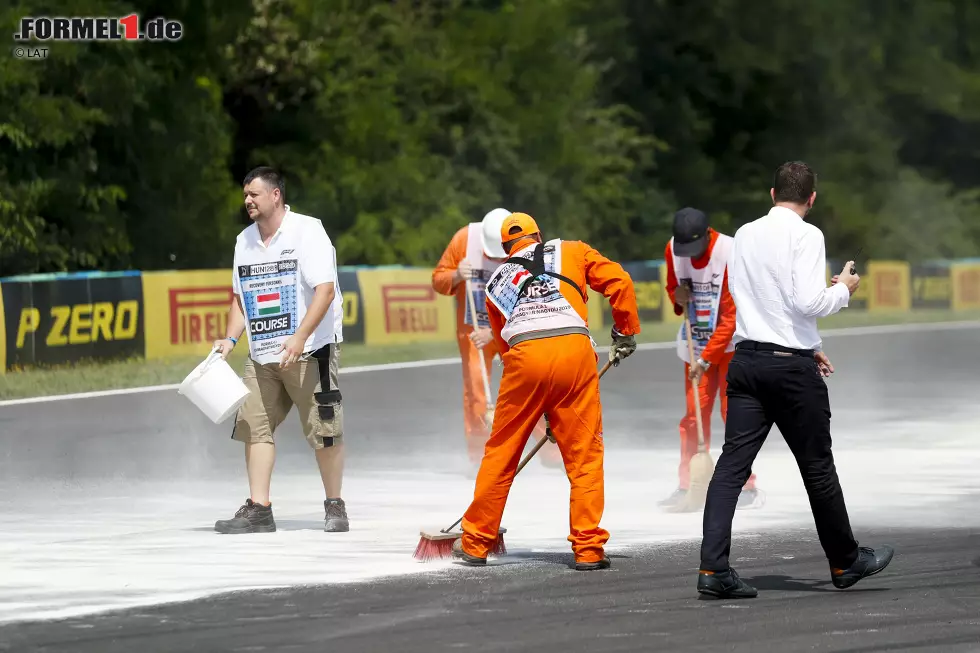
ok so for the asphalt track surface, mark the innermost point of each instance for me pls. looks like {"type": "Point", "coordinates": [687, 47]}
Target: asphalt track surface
{"type": "Point", "coordinates": [396, 415]}
{"type": "Point", "coordinates": [927, 600]}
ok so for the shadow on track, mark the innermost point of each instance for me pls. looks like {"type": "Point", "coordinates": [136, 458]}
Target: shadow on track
{"type": "Point", "coordinates": [790, 584]}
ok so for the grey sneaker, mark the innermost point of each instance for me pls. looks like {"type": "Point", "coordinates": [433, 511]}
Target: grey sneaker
{"type": "Point", "coordinates": [250, 518]}
{"type": "Point", "coordinates": [674, 499]}
{"type": "Point", "coordinates": [336, 517]}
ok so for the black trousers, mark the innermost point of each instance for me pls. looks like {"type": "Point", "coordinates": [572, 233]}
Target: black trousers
{"type": "Point", "coordinates": [786, 389]}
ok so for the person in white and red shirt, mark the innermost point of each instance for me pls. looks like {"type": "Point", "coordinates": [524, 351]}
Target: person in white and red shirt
{"type": "Point", "coordinates": [697, 274]}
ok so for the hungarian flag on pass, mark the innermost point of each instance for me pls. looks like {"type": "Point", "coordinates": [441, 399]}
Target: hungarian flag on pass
{"type": "Point", "coordinates": [703, 317]}
{"type": "Point", "coordinates": [516, 281]}
{"type": "Point", "coordinates": [268, 304]}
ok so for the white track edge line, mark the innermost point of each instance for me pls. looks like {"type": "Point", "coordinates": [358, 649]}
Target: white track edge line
{"type": "Point", "coordinates": [913, 327]}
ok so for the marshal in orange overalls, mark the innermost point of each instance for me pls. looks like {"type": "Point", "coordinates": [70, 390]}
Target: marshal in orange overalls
{"type": "Point", "coordinates": [549, 368]}
{"type": "Point", "coordinates": [466, 245]}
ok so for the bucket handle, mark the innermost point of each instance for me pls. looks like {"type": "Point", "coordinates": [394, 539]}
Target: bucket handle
{"type": "Point", "coordinates": [212, 357]}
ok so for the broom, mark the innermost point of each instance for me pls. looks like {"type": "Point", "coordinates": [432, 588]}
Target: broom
{"type": "Point", "coordinates": [488, 416]}
{"type": "Point", "coordinates": [701, 467]}
{"type": "Point", "coordinates": [434, 546]}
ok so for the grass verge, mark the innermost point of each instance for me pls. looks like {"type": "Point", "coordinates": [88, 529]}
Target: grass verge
{"type": "Point", "coordinates": [86, 377]}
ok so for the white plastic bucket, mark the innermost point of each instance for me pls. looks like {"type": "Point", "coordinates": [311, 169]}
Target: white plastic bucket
{"type": "Point", "coordinates": [214, 388]}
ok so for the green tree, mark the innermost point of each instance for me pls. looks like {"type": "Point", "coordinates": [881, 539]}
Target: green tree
{"type": "Point", "coordinates": [860, 90]}
{"type": "Point", "coordinates": [57, 212]}
{"type": "Point", "coordinates": [112, 154]}
{"type": "Point", "coordinates": [399, 122]}
{"type": "Point", "coordinates": [396, 122]}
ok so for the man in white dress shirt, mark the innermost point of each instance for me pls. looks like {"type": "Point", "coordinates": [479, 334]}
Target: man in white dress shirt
{"type": "Point", "coordinates": [776, 276]}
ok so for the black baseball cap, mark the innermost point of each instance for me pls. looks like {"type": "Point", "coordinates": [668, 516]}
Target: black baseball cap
{"type": "Point", "coordinates": [690, 232]}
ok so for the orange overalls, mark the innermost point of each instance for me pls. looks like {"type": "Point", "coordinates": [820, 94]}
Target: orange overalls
{"type": "Point", "coordinates": [713, 381]}
{"type": "Point", "coordinates": [474, 396]}
{"type": "Point", "coordinates": [556, 376]}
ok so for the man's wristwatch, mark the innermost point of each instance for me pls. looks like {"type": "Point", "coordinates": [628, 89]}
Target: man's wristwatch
{"type": "Point", "coordinates": [704, 364]}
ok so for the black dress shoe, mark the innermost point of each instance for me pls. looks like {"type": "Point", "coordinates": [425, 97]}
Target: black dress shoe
{"type": "Point", "coordinates": [869, 562]}
{"type": "Point", "coordinates": [605, 563]}
{"type": "Point", "coordinates": [725, 585]}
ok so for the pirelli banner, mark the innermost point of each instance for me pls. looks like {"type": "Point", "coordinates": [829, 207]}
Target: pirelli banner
{"type": "Point", "coordinates": [890, 286]}
{"type": "Point", "coordinates": [965, 286]}
{"type": "Point", "coordinates": [187, 311]}
{"type": "Point", "coordinates": [401, 307]}
{"type": "Point", "coordinates": [47, 320]}
{"type": "Point", "coordinates": [60, 319]}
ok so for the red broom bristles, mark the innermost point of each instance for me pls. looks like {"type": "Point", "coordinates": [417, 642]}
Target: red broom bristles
{"type": "Point", "coordinates": [429, 549]}
{"type": "Point", "coordinates": [499, 548]}
{"type": "Point", "coordinates": [433, 549]}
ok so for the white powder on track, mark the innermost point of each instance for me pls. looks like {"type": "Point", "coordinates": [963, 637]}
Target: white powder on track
{"type": "Point", "coordinates": [73, 551]}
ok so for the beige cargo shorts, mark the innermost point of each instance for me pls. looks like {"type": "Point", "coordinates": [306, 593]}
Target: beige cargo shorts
{"type": "Point", "coordinates": [310, 384]}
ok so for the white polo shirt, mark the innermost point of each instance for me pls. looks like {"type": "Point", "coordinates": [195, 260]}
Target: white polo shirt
{"type": "Point", "coordinates": [276, 285]}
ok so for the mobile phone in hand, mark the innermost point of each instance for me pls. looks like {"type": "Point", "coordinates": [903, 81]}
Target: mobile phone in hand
{"type": "Point", "coordinates": [853, 270]}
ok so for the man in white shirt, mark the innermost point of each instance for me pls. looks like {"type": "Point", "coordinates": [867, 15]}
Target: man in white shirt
{"type": "Point", "coordinates": [289, 307]}
{"type": "Point", "coordinates": [776, 276]}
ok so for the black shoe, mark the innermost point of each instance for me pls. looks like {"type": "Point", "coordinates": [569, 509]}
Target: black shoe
{"type": "Point", "coordinates": [674, 499]}
{"type": "Point", "coordinates": [605, 563]}
{"type": "Point", "coordinates": [335, 520]}
{"type": "Point", "coordinates": [250, 518]}
{"type": "Point", "coordinates": [725, 585]}
{"type": "Point", "coordinates": [869, 562]}
{"type": "Point", "coordinates": [465, 558]}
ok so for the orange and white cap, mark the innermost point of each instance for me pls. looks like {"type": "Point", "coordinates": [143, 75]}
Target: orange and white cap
{"type": "Point", "coordinates": [517, 226]}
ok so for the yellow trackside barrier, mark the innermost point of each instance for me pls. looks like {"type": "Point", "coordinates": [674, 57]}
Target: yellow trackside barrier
{"type": "Point", "coordinates": [3, 336]}
{"type": "Point", "coordinates": [186, 311]}
{"type": "Point", "coordinates": [966, 286]}
{"type": "Point", "coordinates": [890, 287]}
{"type": "Point", "coordinates": [400, 306]}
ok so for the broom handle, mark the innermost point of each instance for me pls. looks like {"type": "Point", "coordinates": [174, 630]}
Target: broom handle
{"type": "Point", "coordinates": [446, 530]}
{"type": "Point", "coordinates": [483, 373]}
{"type": "Point", "coordinates": [697, 389]}
{"type": "Point", "coordinates": [537, 447]}
{"type": "Point", "coordinates": [605, 368]}
{"type": "Point", "coordinates": [483, 367]}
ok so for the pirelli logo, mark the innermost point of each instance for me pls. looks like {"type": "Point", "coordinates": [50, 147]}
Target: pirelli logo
{"type": "Point", "coordinates": [199, 314]}
{"type": "Point", "coordinates": [410, 308]}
